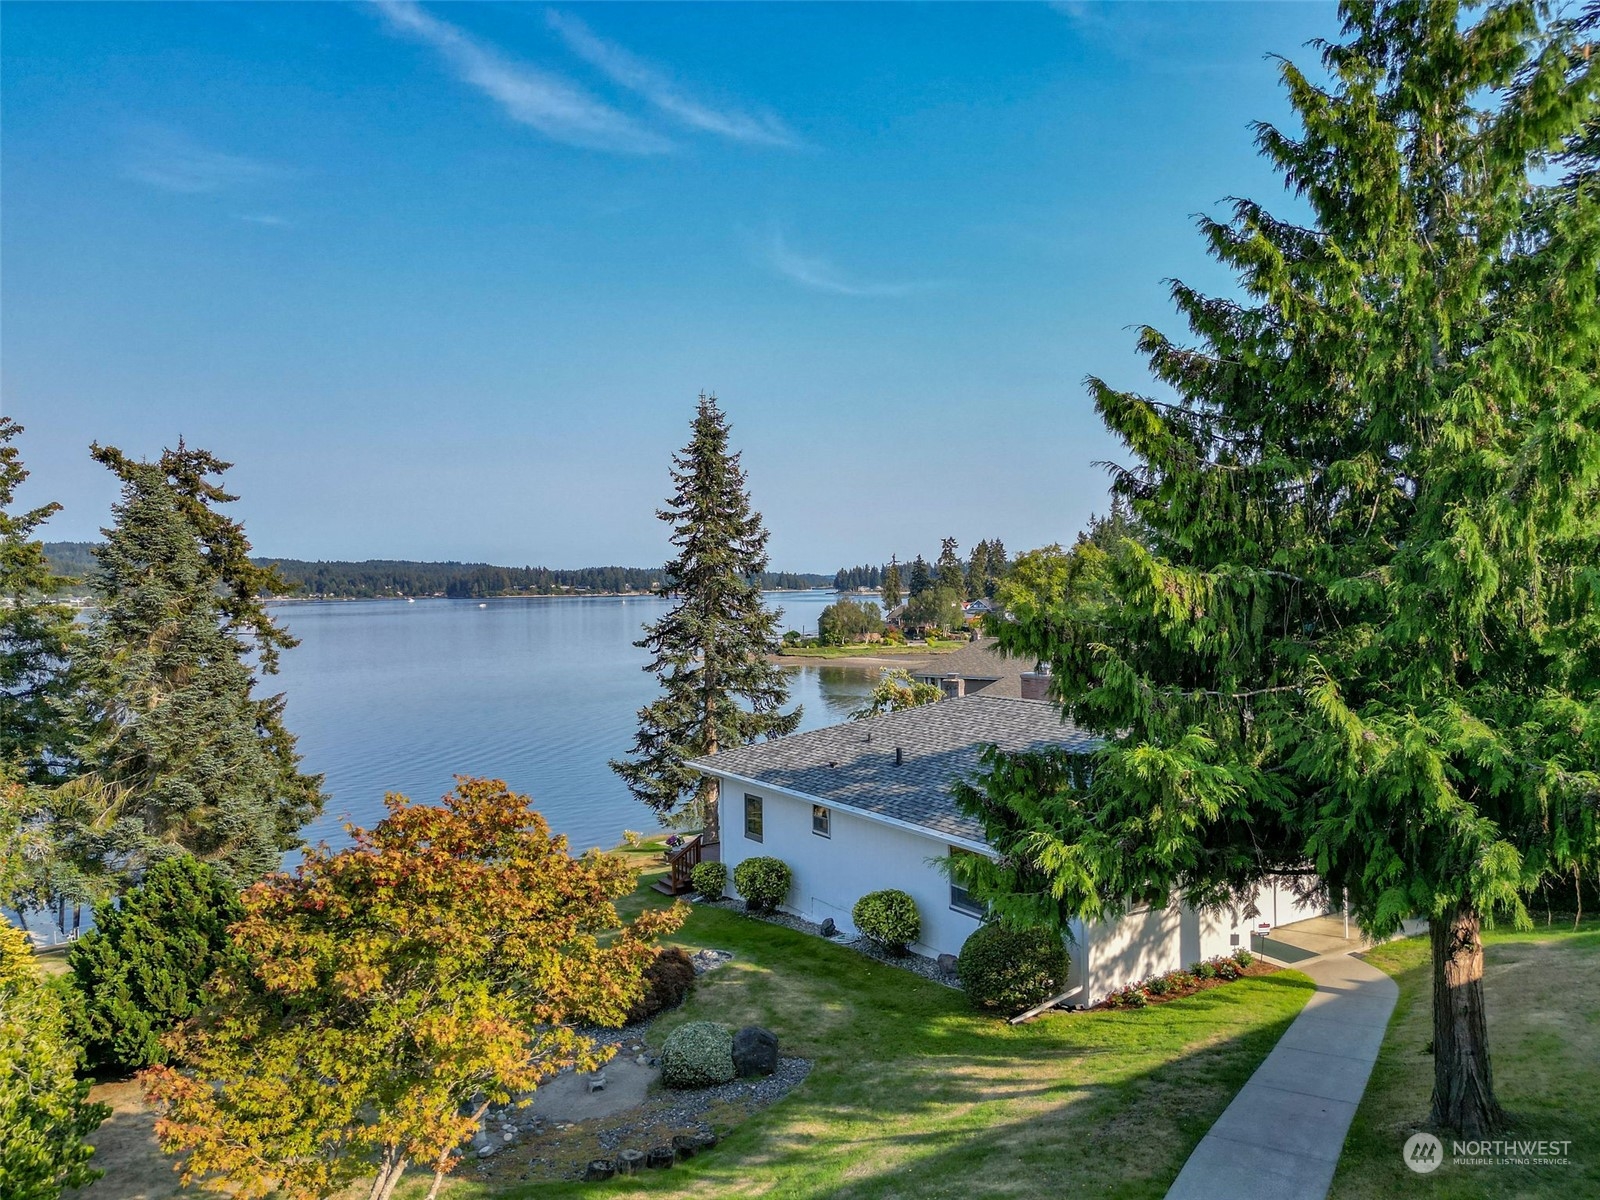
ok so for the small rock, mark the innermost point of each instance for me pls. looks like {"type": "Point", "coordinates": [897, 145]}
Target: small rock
{"type": "Point", "coordinates": [755, 1051]}
{"type": "Point", "coordinates": [488, 1151]}
{"type": "Point", "coordinates": [643, 1060]}
{"type": "Point", "coordinates": [947, 962]}
{"type": "Point", "coordinates": [829, 929]}
{"type": "Point", "coordinates": [507, 1136]}
{"type": "Point", "coordinates": [598, 1169]}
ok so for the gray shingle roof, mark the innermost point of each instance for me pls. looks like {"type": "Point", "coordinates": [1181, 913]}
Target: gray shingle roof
{"type": "Point", "coordinates": [940, 742]}
{"type": "Point", "coordinates": [978, 661]}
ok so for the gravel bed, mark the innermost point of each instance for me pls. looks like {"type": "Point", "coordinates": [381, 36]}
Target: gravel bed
{"type": "Point", "coordinates": [678, 1110]}
{"type": "Point", "coordinates": [917, 964]}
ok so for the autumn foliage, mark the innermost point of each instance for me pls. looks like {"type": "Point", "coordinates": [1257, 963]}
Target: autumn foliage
{"type": "Point", "coordinates": [385, 995]}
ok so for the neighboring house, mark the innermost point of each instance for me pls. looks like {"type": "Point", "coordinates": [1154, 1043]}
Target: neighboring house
{"type": "Point", "coordinates": [867, 805]}
{"type": "Point", "coordinates": [980, 667]}
{"type": "Point", "coordinates": [977, 608]}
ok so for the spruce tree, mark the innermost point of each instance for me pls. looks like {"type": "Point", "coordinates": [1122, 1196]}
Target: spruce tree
{"type": "Point", "coordinates": [38, 732]}
{"type": "Point", "coordinates": [948, 572]}
{"type": "Point", "coordinates": [921, 578]}
{"type": "Point", "coordinates": [185, 757]}
{"type": "Point", "coordinates": [710, 650]}
{"type": "Point", "coordinates": [890, 588]}
{"type": "Point", "coordinates": [1360, 645]}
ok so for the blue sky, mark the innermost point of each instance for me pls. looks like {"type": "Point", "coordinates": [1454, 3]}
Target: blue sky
{"type": "Point", "coordinates": [444, 280]}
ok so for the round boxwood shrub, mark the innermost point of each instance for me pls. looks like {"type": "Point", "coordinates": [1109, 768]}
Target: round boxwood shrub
{"type": "Point", "coordinates": [889, 918]}
{"type": "Point", "coordinates": [1006, 970]}
{"type": "Point", "coordinates": [710, 878]}
{"type": "Point", "coordinates": [699, 1054]}
{"type": "Point", "coordinates": [762, 882]}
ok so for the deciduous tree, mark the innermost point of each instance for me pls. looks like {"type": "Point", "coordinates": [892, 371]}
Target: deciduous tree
{"type": "Point", "coordinates": [45, 1112]}
{"type": "Point", "coordinates": [719, 689]}
{"type": "Point", "coordinates": [897, 690]}
{"type": "Point", "coordinates": [1360, 643]}
{"type": "Point", "coordinates": [384, 996]}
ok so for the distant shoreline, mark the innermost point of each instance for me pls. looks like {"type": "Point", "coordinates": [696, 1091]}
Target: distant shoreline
{"type": "Point", "coordinates": [510, 596]}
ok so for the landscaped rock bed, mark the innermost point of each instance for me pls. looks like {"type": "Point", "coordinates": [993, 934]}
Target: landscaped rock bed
{"type": "Point", "coordinates": [546, 1150]}
{"type": "Point", "coordinates": [628, 1124]}
{"type": "Point", "coordinates": [917, 964]}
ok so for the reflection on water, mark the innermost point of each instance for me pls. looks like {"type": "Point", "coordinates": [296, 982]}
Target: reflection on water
{"type": "Point", "coordinates": [540, 692]}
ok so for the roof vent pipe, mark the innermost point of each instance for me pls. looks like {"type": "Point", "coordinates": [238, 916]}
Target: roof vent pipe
{"type": "Point", "coordinates": [899, 756]}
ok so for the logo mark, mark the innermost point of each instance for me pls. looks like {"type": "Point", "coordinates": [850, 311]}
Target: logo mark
{"type": "Point", "coordinates": [1423, 1153]}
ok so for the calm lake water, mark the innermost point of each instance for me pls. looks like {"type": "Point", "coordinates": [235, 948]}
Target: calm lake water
{"type": "Point", "coordinates": [541, 692]}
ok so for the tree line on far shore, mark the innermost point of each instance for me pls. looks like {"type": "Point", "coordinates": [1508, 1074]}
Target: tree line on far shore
{"type": "Point", "coordinates": [378, 578]}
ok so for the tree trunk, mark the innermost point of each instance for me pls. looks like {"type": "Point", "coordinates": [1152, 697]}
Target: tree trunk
{"type": "Point", "coordinates": [389, 1171]}
{"type": "Point", "coordinates": [1463, 1085]}
{"type": "Point", "coordinates": [438, 1179]}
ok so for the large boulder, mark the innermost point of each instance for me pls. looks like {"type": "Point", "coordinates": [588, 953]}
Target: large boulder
{"type": "Point", "coordinates": [755, 1051]}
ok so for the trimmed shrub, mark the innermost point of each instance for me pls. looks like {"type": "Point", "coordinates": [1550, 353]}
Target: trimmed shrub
{"type": "Point", "coordinates": [762, 882]}
{"type": "Point", "coordinates": [667, 981]}
{"type": "Point", "coordinates": [699, 1054]}
{"type": "Point", "coordinates": [1161, 985]}
{"type": "Point", "coordinates": [142, 969]}
{"type": "Point", "coordinates": [1007, 970]}
{"type": "Point", "coordinates": [889, 918]}
{"type": "Point", "coordinates": [1243, 957]}
{"type": "Point", "coordinates": [1134, 995]}
{"type": "Point", "coordinates": [632, 839]}
{"type": "Point", "coordinates": [1227, 969]}
{"type": "Point", "coordinates": [710, 878]}
{"type": "Point", "coordinates": [1203, 970]}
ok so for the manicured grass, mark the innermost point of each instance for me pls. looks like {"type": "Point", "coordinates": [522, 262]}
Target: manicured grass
{"type": "Point", "coordinates": [912, 1095]}
{"type": "Point", "coordinates": [1544, 1039]}
{"type": "Point", "coordinates": [873, 650]}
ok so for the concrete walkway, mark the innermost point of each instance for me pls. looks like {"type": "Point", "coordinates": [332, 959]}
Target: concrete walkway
{"type": "Point", "coordinates": [1281, 1137]}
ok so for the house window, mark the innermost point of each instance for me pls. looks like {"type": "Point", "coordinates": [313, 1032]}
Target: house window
{"type": "Point", "coordinates": [960, 900]}
{"type": "Point", "coordinates": [752, 818]}
{"type": "Point", "coordinates": [821, 821]}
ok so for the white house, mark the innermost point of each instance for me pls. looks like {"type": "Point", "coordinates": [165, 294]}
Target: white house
{"type": "Point", "coordinates": [866, 805]}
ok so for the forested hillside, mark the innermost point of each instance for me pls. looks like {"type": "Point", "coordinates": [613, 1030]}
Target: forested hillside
{"type": "Point", "coordinates": [385, 577]}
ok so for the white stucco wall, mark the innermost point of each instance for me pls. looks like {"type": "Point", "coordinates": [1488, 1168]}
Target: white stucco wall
{"type": "Point", "coordinates": [832, 873]}
{"type": "Point", "coordinates": [863, 855]}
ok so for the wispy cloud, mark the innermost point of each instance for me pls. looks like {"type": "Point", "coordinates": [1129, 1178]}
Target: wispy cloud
{"type": "Point", "coordinates": [554, 106]}
{"type": "Point", "coordinates": [270, 219]}
{"type": "Point", "coordinates": [627, 70]}
{"type": "Point", "coordinates": [175, 162]}
{"type": "Point", "coordinates": [822, 275]}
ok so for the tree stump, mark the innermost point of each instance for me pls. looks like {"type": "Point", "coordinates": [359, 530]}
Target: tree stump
{"type": "Point", "coordinates": [598, 1169]}
{"type": "Point", "coordinates": [684, 1146]}
{"type": "Point", "coordinates": [660, 1156]}
{"type": "Point", "coordinates": [630, 1162]}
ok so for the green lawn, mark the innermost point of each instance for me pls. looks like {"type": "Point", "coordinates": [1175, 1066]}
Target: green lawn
{"type": "Point", "coordinates": [874, 650]}
{"type": "Point", "coordinates": [911, 1095]}
{"type": "Point", "coordinates": [1544, 1038]}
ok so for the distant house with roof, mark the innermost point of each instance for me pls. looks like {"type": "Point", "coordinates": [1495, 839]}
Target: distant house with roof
{"type": "Point", "coordinates": [866, 805]}
{"type": "Point", "coordinates": [981, 667]}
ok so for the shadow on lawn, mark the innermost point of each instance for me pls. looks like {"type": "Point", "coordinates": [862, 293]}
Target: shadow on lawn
{"type": "Point", "coordinates": [911, 1095]}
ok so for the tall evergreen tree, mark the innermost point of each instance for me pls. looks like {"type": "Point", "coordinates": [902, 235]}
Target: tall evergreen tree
{"type": "Point", "coordinates": [38, 638]}
{"type": "Point", "coordinates": [1361, 642]}
{"type": "Point", "coordinates": [719, 688]}
{"type": "Point", "coordinates": [890, 588]}
{"type": "Point", "coordinates": [978, 570]}
{"type": "Point", "coordinates": [185, 758]}
{"type": "Point", "coordinates": [948, 571]}
{"type": "Point", "coordinates": [921, 578]}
